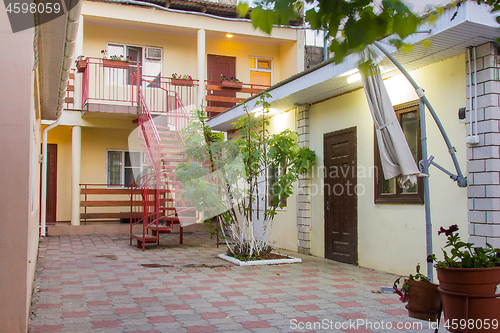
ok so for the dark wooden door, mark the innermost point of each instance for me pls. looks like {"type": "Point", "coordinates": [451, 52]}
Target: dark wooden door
{"type": "Point", "coordinates": [218, 66]}
{"type": "Point", "coordinates": [341, 200]}
{"type": "Point", "coordinates": [51, 182]}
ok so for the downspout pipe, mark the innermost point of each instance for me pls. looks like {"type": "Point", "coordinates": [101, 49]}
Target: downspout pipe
{"type": "Point", "coordinates": [43, 218]}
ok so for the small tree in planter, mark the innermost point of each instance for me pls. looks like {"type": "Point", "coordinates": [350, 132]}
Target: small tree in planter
{"type": "Point", "coordinates": [227, 178]}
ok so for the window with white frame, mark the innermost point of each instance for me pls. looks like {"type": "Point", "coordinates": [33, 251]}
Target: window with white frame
{"type": "Point", "coordinates": [261, 70]}
{"type": "Point", "coordinates": [149, 57]}
{"type": "Point", "coordinates": [272, 176]}
{"type": "Point", "coordinates": [124, 167]}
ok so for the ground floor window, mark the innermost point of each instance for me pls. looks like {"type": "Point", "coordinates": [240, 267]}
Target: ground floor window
{"type": "Point", "coordinates": [124, 167]}
{"type": "Point", "coordinates": [272, 175]}
{"type": "Point", "coordinates": [387, 191]}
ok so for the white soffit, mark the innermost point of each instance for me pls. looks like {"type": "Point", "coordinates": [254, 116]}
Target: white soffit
{"type": "Point", "coordinates": [472, 26]}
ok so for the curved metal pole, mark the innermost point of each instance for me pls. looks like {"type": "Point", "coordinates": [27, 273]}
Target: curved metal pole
{"type": "Point", "coordinates": [462, 182]}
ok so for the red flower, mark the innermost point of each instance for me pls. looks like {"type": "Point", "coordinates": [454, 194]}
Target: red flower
{"type": "Point", "coordinates": [448, 232]}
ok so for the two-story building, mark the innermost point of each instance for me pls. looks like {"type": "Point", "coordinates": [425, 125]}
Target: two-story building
{"type": "Point", "coordinates": [95, 149]}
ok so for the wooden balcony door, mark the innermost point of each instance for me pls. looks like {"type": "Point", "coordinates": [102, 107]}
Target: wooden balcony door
{"type": "Point", "coordinates": [51, 182]}
{"type": "Point", "coordinates": [218, 66]}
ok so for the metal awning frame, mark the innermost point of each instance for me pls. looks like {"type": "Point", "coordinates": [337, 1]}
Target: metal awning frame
{"type": "Point", "coordinates": [426, 162]}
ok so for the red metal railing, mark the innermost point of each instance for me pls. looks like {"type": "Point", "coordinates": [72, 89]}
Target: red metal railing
{"type": "Point", "coordinates": [101, 83]}
{"type": "Point", "coordinates": [162, 94]}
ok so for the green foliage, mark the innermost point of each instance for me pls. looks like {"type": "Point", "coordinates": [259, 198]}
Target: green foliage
{"type": "Point", "coordinates": [417, 277]}
{"type": "Point", "coordinates": [465, 255]}
{"type": "Point", "coordinates": [353, 24]}
{"type": "Point", "coordinates": [222, 178]}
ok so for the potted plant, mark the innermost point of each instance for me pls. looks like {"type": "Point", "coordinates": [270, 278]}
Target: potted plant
{"type": "Point", "coordinates": [182, 80]}
{"type": "Point", "coordinates": [468, 278]}
{"type": "Point", "coordinates": [225, 179]}
{"type": "Point", "coordinates": [230, 82]}
{"type": "Point", "coordinates": [81, 64]}
{"type": "Point", "coordinates": [115, 61]}
{"type": "Point", "coordinates": [424, 301]}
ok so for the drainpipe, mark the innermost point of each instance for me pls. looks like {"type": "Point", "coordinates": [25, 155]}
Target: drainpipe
{"type": "Point", "coordinates": [43, 221]}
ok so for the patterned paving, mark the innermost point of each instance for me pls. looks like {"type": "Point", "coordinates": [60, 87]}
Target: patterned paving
{"type": "Point", "coordinates": [100, 283]}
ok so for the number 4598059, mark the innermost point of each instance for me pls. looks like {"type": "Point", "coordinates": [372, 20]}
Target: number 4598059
{"type": "Point", "coordinates": [462, 324]}
{"type": "Point", "coordinates": [47, 8]}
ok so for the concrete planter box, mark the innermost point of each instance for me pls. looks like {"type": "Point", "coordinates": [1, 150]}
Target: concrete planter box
{"type": "Point", "coordinates": [290, 260]}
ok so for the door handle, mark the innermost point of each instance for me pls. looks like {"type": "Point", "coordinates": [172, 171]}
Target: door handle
{"type": "Point", "coordinates": [328, 206]}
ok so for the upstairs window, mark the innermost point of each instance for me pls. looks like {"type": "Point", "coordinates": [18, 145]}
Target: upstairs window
{"type": "Point", "coordinates": [261, 71]}
{"type": "Point", "coordinates": [150, 59]}
{"type": "Point", "coordinates": [387, 191]}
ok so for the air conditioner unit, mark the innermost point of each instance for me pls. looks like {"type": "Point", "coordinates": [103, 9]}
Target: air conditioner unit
{"type": "Point", "coordinates": [153, 53]}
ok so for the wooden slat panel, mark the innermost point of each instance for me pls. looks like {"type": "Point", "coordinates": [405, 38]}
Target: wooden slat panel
{"type": "Point", "coordinates": [243, 90]}
{"type": "Point", "coordinates": [72, 76]}
{"type": "Point", "coordinates": [105, 191]}
{"type": "Point", "coordinates": [215, 109]}
{"type": "Point", "coordinates": [109, 203]}
{"type": "Point", "coordinates": [70, 100]}
{"type": "Point", "coordinates": [224, 99]}
{"type": "Point", "coordinates": [106, 215]}
{"type": "Point", "coordinates": [70, 88]}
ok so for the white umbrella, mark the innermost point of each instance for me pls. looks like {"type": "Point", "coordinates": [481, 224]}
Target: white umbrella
{"type": "Point", "coordinates": [395, 155]}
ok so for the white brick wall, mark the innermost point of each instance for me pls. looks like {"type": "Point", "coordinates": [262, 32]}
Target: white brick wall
{"type": "Point", "coordinates": [304, 185]}
{"type": "Point", "coordinates": [483, 165]}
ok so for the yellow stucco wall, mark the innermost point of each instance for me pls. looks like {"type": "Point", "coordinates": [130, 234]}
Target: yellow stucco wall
{"type": "Point", "coordinates": [284, 232]}
{"type": "Point", "coordinates": [392, 237]}
{"type": "Point", "coordinates": [179, 51]}
{"type": "Point", "coordinates": [95, 143]}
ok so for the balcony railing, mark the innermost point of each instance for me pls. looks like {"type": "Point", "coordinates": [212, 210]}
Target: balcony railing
{"type": "Point", "coordinates": [116, 85]}
{"type": "Point", "coordinates": [104, 86]}
{"type": "Point", "coordinates": [220, 98]}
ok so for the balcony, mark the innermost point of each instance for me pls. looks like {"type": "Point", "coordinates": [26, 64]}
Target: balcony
{"type": "Point", "coordinates": [220, 98]}
{"type": "Point", "coordinates": [113, 92]}
{"type": "Point", "coordinates": [110, 89]}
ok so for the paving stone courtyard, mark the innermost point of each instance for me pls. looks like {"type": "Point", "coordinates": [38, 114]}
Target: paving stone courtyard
{"type": "Point", "coordinates": [99, 283]}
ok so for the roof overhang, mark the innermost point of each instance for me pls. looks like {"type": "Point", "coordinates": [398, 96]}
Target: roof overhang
{"type": "Point", "coordinates": [56, 45]}
{"type": "Point", "coordinates": [473, 25]}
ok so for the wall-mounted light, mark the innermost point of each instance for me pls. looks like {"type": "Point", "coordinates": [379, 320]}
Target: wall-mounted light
{"type": "Point", "coordinates": [228, 35]}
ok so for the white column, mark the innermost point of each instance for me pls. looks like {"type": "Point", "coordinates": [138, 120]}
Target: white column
{"type": "Point", "coordinates": [201, 60]}
{"type": "Point", "coordinates": [78, 77]}
{"type": "Point", "coordinates": [300, 50]}
{"type": "Point", "coordinates": [76, 162]}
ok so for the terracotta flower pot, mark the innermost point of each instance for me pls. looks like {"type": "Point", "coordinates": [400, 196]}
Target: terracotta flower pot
{"type": "Point", "coordinates": [471, 281]}
{"type": "Point", "coordinates": [231, 84]}
{"type": "Point", "coordinates": [425, 300]}
{"type": "Point", "coordinates": [115, 63]}
{"type": "Point", "coordinates": [182, 82]}
{"type": "Point", "coordinates": [81, 65]}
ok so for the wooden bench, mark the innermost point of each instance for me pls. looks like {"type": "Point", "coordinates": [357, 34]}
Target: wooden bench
{"type": "Point", "coordinates": [112, 202]}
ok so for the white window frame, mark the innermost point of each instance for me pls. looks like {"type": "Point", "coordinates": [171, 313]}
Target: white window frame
{"type": "Point", "coordinates": [122, 167]}
{"type": "Point", "coordinates": [280, 171]}
{"type": "Point", "coordinates": [144, 60]}
{"type": "Point", "coordinates": [260, 69]}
